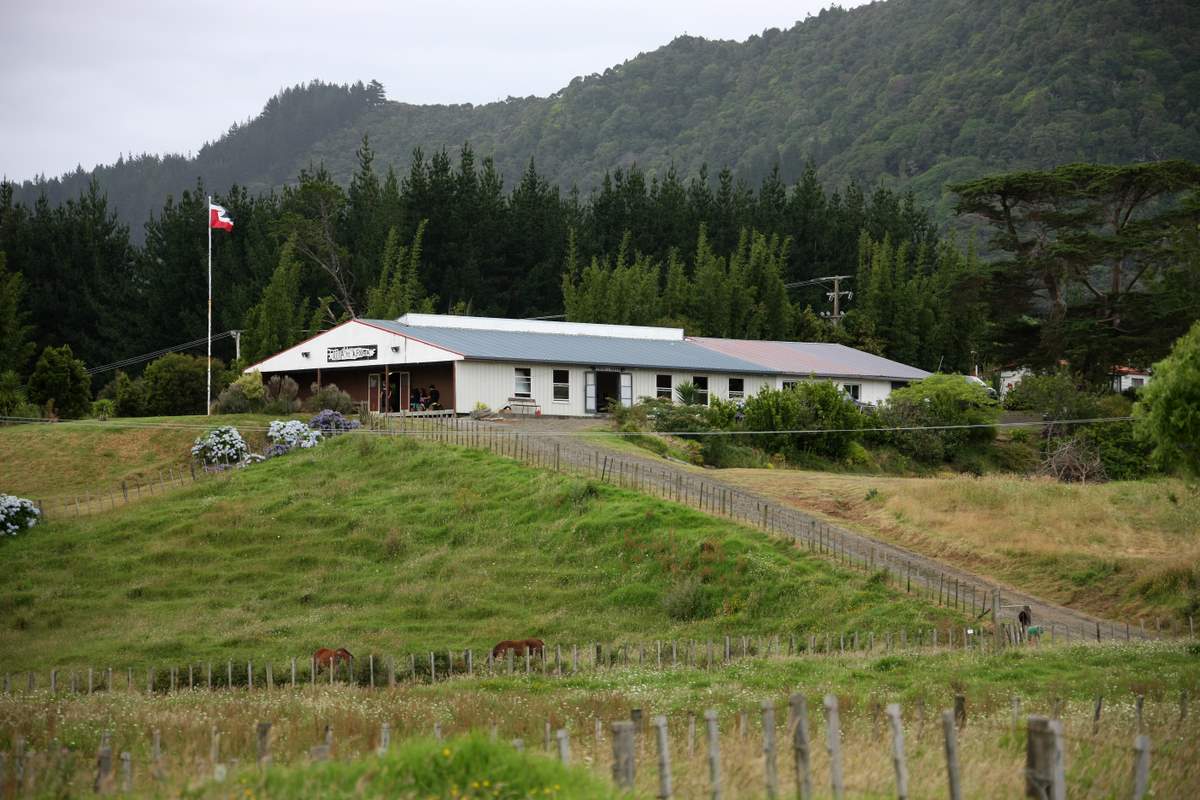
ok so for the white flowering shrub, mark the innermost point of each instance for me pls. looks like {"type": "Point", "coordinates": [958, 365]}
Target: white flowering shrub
{"type": "Point", "coordinates": [292, 434]}
{"type": "Point", "coordinates": [222, 445]}
{"type": "Point", "coordinates": [17, 514]}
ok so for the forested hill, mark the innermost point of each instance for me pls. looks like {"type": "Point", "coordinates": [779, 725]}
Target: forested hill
{"type": "Point", "coordinates": [915, 92]}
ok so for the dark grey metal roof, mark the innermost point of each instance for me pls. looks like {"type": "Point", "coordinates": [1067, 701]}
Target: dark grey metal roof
{"type": "Point", "coordinates": [563, 348]}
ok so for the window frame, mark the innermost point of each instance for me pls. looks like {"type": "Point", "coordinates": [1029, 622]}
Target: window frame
{"type": "Point", "coordinates": [556, 384]}
{"type": "Point", "coordinates": [790, 384]}
{"type": "Point", "coordinates": [669, 389]}
{"type": "Point", "coordinates": [528, 376]}
{"type": "Point", "coordinates": [702, 392]}
{"type": "Point", "coordinates": [852, 390]}
{"type": "Point", "coordinates": [737, 394]}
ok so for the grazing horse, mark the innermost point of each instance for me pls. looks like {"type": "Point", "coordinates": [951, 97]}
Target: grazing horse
{"type": "Point", "coordinates": [520, 647]}
{"type": "Point", "coordinates": [324, 657]}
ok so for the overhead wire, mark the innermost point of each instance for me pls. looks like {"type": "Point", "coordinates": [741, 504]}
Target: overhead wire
{"type": "Point", "coordinates": [138, 359]}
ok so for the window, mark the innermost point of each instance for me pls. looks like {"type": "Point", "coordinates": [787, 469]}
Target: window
{"type": "Point", "coordinates": [790, 384]}
{"type": "Point", "coordinates": [562, 385]}
{"type": "Point", "coordinates": [1139, 381]}
{"type": "Point", "coordinates": [737, 388]}
{"type": "Point", "coordinates": [524, 382]}
{"type": "Point", "coordinates": [701, 384]}
{"type": "Point", "coordinates": [852, 389]}
{"type": "Point", "coordinates": [662, 387]}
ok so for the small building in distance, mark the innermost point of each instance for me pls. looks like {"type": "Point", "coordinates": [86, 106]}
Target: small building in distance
{"type": "Point", "coordinates": [1126, 378]}
{"type": "Point", "coordinates": [561, 368]}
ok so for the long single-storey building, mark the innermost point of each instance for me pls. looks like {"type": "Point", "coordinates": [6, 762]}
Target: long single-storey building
{"type": "Point", "coordinates": [561, 368]}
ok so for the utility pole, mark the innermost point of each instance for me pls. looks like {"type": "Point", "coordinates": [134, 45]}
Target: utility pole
{"type": "Point", "coordinates": [835, 294]}
{"type": "Point", "coordinates": [237, 345]}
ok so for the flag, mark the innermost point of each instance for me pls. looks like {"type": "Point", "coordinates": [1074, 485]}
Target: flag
{"type": "Point", "coordinates": [218, 218]}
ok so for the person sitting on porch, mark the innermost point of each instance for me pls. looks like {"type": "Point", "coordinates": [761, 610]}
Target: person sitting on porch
{"type": "Point", "coordinates": [434, 396]}
{"type": "Point", "coordinates": [414, 400]}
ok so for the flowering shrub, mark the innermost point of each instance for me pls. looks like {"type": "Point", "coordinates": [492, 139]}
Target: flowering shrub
{"type": "Point", "coordinates": [292, 434]}
{"type": "Point", "coordinates": [222, 445]}
{"type": "Point", "coordinates": [17, 514]}
{"type": "Point", "coordinates": [330, 422]}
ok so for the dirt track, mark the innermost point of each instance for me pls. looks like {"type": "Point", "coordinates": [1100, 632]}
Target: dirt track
{"type": "Point", "coordinates": [703, 487]}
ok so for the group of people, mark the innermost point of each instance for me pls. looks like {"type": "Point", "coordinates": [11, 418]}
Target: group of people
{"type": "Point", "coordinates": [424, 399]}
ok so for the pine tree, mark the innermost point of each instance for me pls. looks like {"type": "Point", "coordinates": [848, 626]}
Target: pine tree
{"type": "Point", "coordinates": [278, 320]}
{"type": "Point", "coordinates": [16, 346]}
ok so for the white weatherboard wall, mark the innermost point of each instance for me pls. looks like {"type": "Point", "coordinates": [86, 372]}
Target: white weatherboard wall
{"type": "Point", "coordinates": [351, 334]}
{"type": "Point", "coordinates": [493, 383]}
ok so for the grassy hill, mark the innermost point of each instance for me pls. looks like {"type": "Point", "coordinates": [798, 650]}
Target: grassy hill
{"type": "Point", "coordinates": [914, 92]}
{"type": "Point", "coordinates": [382, 544]}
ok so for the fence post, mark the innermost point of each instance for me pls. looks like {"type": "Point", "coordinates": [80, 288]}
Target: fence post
{"type": "Point", "coordinates": [623, 766]}
{"type": "Point", "coordinates": [126, 772]}
{"type": "Point", "coordinates": [960, 711]}
{"type": "Point", "coordinates": [564, 746]}
{"type": "Point", "coordinates": [103, 767]}
{"type": "Point", "coordinates": [664, 757]}
{"type": "Point", "coordinates": [772, 776]}
{"type": "Point", "coordinates": [1043, 760]}
{"type": "Point", "coordinates": [834, 745]}
{"type": "Point", "coordinates": [691, 733]}
{"type": "Point", "coordinates": [714, 754]}
{"type": "Point", "coordinates": [951, 737]}
{"type": "Point", "coordinates": [1096, 714]}
{"type": "Point", "coordinates": [263, 741]}
{"type": "Point", "coordinates": [800, 747]}
{"type": "Point", "coordinates": [1141, 766]}
{"type": "Point", "coordinates": [893, 715]}
{"type": "Point", "coordinates": [385, 739]}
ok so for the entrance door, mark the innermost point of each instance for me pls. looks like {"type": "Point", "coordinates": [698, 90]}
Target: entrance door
{"type": "Point", "coordinates": [589, 392]}
{"type": "Point", "coordinates": [608, 389]}
{"type": "Point", "coordinates": [399, 388]}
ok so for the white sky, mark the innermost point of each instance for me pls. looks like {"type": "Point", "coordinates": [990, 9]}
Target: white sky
{"type": "Point", "coordinates": [83, 81]}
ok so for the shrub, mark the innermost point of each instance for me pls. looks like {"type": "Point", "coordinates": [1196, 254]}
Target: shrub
{"type": "Point", "coordinates": [292, 434]}
{"type": "Point", "coordinates": [810, 405]}
{"type": "Point", "coordinates": [103, 409]}
{"type": "Point", "coordinates": [688, 394]}
{"type": "Point", "coordinates": [330, 422]}
{"type": "Point", "coordinates": [1124, 456]}
{"type": "Point", "coordinates": [222, 445]}
{"type": "Point", "coordinates": [233, 400]}
{"type": "Point", "coordinates": [688, 600]}
{"type": "Point", "coordinates": [1168, 408]}
{"type": "Point", "coordinates": [329, 397]}
{"type": "Point", "coordinates": [1054, 396]}
{"type": "Point", "coordinates": [61, 379]}
{"type": "Point", "coordinates": [940, 400]}
{"type": "Point", "coordinates": [130, 395]}
{"type": "Point", "coordinates": [253, 387]}
{"type": "Point", "coordinates": [17, 514]}
{"type": "Point", "coordinates": [177, 384]}
{"type": "Point", "coordinates": [281, 394]}
{"type": "Point", "coordinates": [12, 395]}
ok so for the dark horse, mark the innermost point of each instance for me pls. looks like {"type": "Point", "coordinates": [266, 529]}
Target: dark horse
{"type": "Point", "coordinates": [520, 647]}
{"type": "Point", "coordinates": [325, 657]}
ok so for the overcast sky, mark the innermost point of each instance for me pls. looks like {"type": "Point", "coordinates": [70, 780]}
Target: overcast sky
{"type": "Point", "coordinates": [83, 82]}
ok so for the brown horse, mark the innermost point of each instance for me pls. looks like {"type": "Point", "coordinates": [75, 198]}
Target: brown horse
{"type": "Point", "coordinates": [324, 657]}
{"type": "Point", "coordinates": [520, 647]}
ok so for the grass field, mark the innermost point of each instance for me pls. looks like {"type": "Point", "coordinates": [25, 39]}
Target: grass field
{"type": "Point", "coordinates": [57, 461]}
{"type": "Point", "coordinates": [1126, 550]}
{"type": "Point", "coordinates": [991, 754]}
{"type": "Point", "coordinates": [382, 544]}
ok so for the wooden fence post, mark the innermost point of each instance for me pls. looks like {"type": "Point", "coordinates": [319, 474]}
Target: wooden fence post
{"type": "Point", "coordinates": [833, 744]}
{"type": "Point", "coordinates": [263, 744]}
{"type": "Point", "coordinates": [664, 757]}
{"type": "Point", "coordinates": [948, 732]}
{"type": "Point", "coordinates": [771, 775]}
{"type": "Point", "coordinates": [1141, 766]}
{"type": "Point", "coordinates": [623, 769]}
{"type": "Point", "coordinates": [126, 772]}
{"type": "Point", "coordinates": [564, 746]}
{"type": "Point", "coordinates": [714, 754]}
{"type": "Point", "coordinates": [960, 711]}
{"type": "Point", "coordinates": [385, 739]}
{"type": "Point", "coordinates": [1099, 707]}
{"type": "Point", "coordinates": [691, 733]}
{"type": "Point", "coordinates": [898, 763]}
{"type": "Point", "coordinates": [104, 767]}
{"type": "Point", "coordinates": [1043, 760]}
{"type": "Point", "coordinates": [800, 746]}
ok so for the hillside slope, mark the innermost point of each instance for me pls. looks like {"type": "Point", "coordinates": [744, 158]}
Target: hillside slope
{"type": "Point", "coordinates": [386, 544]}
{"type": "Point", "coordinates": [915, 92]}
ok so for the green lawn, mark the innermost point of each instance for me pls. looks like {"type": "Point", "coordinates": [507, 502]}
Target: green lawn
{"type": "Point", "coordinates": [388, 545]}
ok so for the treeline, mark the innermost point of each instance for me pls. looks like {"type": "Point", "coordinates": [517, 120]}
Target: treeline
{"type": "Point", "coordinates": [444, 237]}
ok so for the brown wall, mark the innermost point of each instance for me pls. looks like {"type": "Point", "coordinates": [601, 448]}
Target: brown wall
{"type": "Point", "coordinates": [353, 380]}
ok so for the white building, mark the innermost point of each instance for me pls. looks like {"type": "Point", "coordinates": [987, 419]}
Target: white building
{"type": "Point", "coordinates": [561, 368]}
{"type": "Point", "coordinates": [1126, 378]}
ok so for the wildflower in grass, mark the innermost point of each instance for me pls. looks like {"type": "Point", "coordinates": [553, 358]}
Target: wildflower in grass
{"type": "Point", "coordinates": [17, 514]}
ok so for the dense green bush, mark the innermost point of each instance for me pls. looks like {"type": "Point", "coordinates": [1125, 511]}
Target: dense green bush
{"type": "Point", "coordinates": [329, 398]}
{"type": "Point", "coordinates": [810, 405]}
{"type": "Point", "coordinates": [130, 396]}
{"type": "Point", "coordinates": [61, 379]}
{"type": "Point", "coordinates": [1168, 408]}
{"type": "Point", "coordinates": [940, 400]}
{"type": "Point", "coordinates": [103, 409]}
{"type": "Point", "coordinates": [1055, 395]}
{"type": "Point", "coordinates": [176, 384]}
{"type": "Point", "coordinates": [689, 600]}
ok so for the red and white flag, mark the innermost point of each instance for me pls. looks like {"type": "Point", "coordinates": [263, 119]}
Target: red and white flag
{"type": "Point", "coordinates": [218, 218]}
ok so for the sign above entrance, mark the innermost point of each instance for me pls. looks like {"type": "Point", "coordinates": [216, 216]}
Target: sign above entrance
{"type": "Point", "coordinates": [361, 352]}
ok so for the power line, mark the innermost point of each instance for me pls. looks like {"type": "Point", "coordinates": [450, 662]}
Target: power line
{"type": "Point", "coordinates": [138, 359]}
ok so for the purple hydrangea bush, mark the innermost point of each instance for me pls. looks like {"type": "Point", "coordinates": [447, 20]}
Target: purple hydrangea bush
{"type": "Point", "coordinates": [332, 422]}
{"type": "Point", "coordinates": [220, 446]}
{"type": "Point", "coordinates": [292, 434]}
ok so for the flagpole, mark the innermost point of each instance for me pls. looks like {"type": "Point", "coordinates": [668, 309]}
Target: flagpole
{"type": "Point", "coordinates": [208, 385]}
